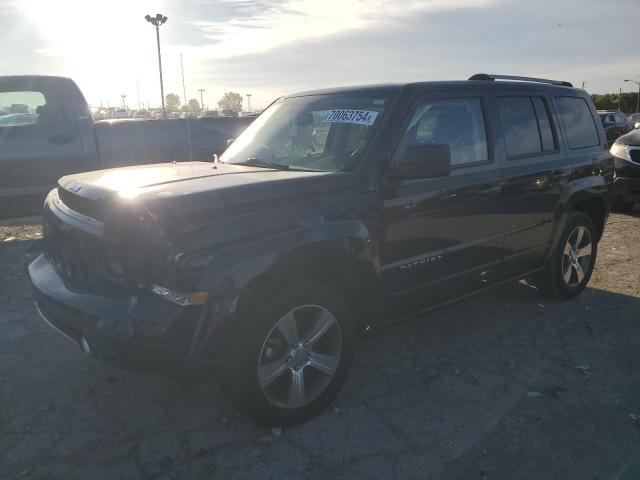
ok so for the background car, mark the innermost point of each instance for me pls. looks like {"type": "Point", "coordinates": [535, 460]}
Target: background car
{"type": "Point", "coordinates": [140, 114]}
{"type": "Point", "coordinates": [615, 124]}
{"type": "Point", "coordinates": [633, 119]}
{"type": "Point", "coordinates": [120, 113]}
{"type": "Point", "coordinates": [209, 114]}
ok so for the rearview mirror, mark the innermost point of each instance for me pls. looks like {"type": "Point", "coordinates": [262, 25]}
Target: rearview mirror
{"type": "Point", "coordinates": [424, 161]}
{"type": "Point", "coordinates": [608, 121]}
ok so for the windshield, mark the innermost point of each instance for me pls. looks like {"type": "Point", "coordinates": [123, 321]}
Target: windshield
{"type": "Point", "coordinates": [317, 132]}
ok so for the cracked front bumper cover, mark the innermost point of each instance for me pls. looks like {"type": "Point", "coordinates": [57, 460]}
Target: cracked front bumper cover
{"type": "Point", "coordinates": [140, 331]}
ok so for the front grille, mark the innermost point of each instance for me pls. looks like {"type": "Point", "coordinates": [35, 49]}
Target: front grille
{"type": "Point", "coordinates": [88, 260]}
{"type": "Point", "coordinates": [85, 206]}
{"type": "Point", "coordinates": [79, 256]}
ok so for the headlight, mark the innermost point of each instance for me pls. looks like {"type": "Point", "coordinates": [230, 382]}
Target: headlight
{"type": "Point", "coordinates": [620, 151]}
{"type": "Point", "coordinates": [184, 299]}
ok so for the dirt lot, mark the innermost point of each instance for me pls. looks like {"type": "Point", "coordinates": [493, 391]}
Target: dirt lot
{"type": "Point", "coordinates": [506, 385]}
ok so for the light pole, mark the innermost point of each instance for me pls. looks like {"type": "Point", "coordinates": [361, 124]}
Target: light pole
{"type": "Point", "coordinates": [201, 90]}
{"type": "Point", "coordinates": [638, 100]}
{"type": "Point", "coordinates": [124, 100]}
{"type": "Point", "coordinates": [248, 102]}
{"type": "Point", "coordinates": [156, 21]}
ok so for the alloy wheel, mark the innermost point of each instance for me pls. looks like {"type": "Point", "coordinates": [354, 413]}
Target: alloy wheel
{"type": "Point", "coordinates": [300, 356]}
{"type": "Point", "coordinates": [576, 257]}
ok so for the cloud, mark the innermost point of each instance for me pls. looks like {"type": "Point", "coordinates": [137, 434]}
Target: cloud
{"type": "Point", "coordinates": [273, 47]}
{"type": "Point", "coordinates": [251, 26]}
{"type": "Point", "coordinates": [441, 43]}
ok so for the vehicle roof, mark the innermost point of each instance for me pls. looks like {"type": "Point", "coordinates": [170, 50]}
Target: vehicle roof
{"type": "Point", "coordinates": [34, 77]}
{"type": "Point", "coordinates": [392, 88]}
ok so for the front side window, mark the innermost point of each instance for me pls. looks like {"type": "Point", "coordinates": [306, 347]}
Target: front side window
{"type": "Point", "coordinates": [21, 108]}
{"type": "Point", "coordinates": [316, 132]}
{"type": "Point", "coordinates": [578, 122]}
{"type": "Point", "coordinates": [458, 123]}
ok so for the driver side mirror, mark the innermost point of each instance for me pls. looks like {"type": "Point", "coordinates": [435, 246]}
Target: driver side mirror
{"type": "Point", "coordinates": [424, 161]}
{"type": "Point", "coordinates": [608, 121]}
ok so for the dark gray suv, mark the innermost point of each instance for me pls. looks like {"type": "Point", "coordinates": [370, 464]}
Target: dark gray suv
{"type": "Point", "coordinates": [334, 214]}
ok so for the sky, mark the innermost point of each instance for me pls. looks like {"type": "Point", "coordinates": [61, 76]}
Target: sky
{"type": "Point", "coordinates": [271, 48]}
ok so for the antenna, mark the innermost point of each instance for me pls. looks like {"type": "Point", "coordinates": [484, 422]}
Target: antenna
{"type": "Point", "coordinates": [184, 90]}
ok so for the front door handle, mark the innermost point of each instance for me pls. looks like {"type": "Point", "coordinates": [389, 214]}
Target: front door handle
{"type": "Point", "coordinates": [61, 139]}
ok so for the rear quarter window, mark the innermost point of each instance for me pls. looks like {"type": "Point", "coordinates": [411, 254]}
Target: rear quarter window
{"type": "Point", "coordinates": [578, 122]}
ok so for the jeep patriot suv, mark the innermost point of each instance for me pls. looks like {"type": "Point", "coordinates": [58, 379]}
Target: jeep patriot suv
{"type": "Point", "coordinates": [335, 213]}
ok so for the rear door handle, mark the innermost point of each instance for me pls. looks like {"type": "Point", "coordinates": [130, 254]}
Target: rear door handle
{"type": "Point", "coordinates": [61, 139]}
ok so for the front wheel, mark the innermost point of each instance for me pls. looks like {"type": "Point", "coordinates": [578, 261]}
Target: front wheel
{"type": "Point", "coordinates": [293, 355]}
{"type": "Point", "coordinates": [571, 264]}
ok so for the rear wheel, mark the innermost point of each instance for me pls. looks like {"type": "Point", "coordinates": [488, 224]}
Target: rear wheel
{"type": "Point", "coordinates": [571, 265]}
{"type": "Point", "coordinates": [294, 354]}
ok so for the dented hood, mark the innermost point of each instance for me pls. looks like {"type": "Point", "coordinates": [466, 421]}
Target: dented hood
{"type": "Point", "coordinates": [198, 188]}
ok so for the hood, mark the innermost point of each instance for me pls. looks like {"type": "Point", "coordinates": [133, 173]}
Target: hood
{"type": "Point", "coordinates": [193, 193]}
{"type": "Point", "coordinates": [631, 138]}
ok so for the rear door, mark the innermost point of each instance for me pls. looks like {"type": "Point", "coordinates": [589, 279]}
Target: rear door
{"type": "Point", "coordinates": [39, 142]}
{"type": "Point", "coordinates": [443, 236]}
{"type": "Point", "coordinates": [536, 170]}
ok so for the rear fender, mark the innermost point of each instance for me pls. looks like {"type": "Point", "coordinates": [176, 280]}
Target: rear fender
{"type": "Point", "coordinates": [577, 191]}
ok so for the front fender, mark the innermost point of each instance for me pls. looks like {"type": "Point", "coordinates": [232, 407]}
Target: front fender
{"type": "Point", "coordinates": [343, 252]}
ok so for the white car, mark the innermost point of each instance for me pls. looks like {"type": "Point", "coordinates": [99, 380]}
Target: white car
{"type": "Point", "coordinates": [120, 113]}
{"type": "Point", "coordinates": [140, 114]}
{"type": "Point", "coordinates": [209, 114]}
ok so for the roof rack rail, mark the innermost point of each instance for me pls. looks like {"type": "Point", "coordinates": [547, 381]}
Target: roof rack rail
{"type": "Point", "coordinates": [491, 77]}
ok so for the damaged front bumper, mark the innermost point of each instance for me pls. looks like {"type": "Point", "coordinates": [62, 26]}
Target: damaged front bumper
{"type": "Point", "coordinates": [140, 331]}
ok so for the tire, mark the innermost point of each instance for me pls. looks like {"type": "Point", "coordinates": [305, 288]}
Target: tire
{"type": "Point", "coordinates": [618, 204]}
{"type": "Point", "coordinates": [268, 359]}
{"type": "Point", "coordinates": [562, 278]}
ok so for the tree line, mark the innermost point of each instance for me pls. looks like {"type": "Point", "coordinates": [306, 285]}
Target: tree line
{"type": "Point", "coordinates": [230, 101]}
{"type": "Point", "coordinates": [626, 102]}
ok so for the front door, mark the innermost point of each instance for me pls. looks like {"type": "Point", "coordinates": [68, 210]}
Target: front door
{"type": "Point", "coordinates": [443, 236]}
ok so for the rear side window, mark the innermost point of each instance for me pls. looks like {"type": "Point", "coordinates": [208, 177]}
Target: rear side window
{"type": "Point", "coordinates": [457, 122]}
{"type": "Point", "coordinates": [544, 124]}
{"type": "Point", "coordinates": [578, 122]}
{"type": "Point", "coordinates": [21, 108]}
{"type": "Point", "coordinates": [526, 125]}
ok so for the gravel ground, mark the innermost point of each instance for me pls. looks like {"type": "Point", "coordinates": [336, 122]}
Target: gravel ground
{"type": "Point", "coordinates": [506, 385]}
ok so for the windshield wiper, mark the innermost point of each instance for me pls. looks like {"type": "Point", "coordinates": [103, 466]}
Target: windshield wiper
{"type": "Point", "coordinates": [256, 162]}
